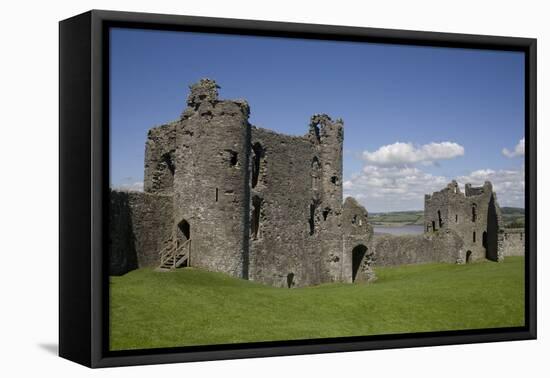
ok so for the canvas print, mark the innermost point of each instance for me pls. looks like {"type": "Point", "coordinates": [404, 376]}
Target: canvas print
{"type": "Point", "coordinates": [271, 189]}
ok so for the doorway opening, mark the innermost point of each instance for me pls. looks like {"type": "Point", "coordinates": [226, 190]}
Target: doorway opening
{"type": "Point", "coordinates": [184, 231]}
{"type": "Point", "coordinates": [357, 256]}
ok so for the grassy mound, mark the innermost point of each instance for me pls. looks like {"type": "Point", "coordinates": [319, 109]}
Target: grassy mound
{"type": "Point", "coordinates": [194, 307]}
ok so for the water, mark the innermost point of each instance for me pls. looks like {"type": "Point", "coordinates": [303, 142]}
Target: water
{"type": "Point", "coordinates": [412, 229]}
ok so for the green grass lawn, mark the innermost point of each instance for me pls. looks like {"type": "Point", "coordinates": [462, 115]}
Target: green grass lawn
{"type": "Point", "coordinates": [193, 307]}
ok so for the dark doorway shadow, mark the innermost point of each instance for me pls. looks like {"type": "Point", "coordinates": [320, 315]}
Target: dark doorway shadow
{"type": "Point", "coordinates": [491, 237]}
{"type": "Point", "coordinates": [290, 280]}
{"type": "Point", "coordinates": [357, 255]}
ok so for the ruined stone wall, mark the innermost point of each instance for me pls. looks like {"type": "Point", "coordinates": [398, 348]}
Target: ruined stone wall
{"type": "Point", "coordinates": [122, 249]}
{"type": "Point", "coordinates": [328, 140]}
{"type": "Point", "coordinates": [296, 205]}
{"type": "Point", "coordinates": [140, 227]}
{"type": "Point", "coordinates": [358, 247]}
{"type": "Point", "coordinates": [282, 251]}
{"type": "Point", "coordinates": [160, 151]}
{"type": "Point", "coordinates": [211, 180]}
{"type": "Point", "coordinates": [474, 215]}
{"type": "Point", "coordinates": [514, 242]}
{"type": "Point", "coordinates": [443, 246]}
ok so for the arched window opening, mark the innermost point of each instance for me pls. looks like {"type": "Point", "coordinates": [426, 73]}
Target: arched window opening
{"type": "Point", "coordinates": [456, 218]}
{"type": "Point", "coordinates": [168, 162]}
{"type": "Point", "coordinates": [257, 156]}
{"type": "Point", "coordinates": [433, 226]}
{"type": "Point", "coordinates": [326, 212]}
{"type": "Point", "coordinates": [474, 237]}
{"type": "Point", "coordinates": [474, 212]}
{"type": "Point", "coordinates": [440, 221]}
{"type": "Point", "coordinates": [233, 158]}
{"type": "Point", "coordinates": [316, 132]}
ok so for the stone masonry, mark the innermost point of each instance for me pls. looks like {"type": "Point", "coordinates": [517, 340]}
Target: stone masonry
{"type": "Point", "coordinates": [474, 215]}
{"type": "Point", "coordinates": [255, 204]}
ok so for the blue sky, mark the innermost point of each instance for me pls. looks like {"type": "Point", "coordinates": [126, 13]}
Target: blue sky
{"type": "Point", "coordinates": [414, 117]}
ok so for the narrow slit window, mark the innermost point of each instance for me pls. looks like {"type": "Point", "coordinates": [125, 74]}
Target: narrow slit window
{"type": "Point", "coordinates": [255, 224]}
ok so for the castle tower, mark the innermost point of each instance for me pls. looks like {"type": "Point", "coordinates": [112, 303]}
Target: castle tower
{"type": "Point", "coordinates": [474, 215]}
{"type": "Point", "coordinates": [328, 136]}
{"type": "Point", "coordinates": [211, 204]}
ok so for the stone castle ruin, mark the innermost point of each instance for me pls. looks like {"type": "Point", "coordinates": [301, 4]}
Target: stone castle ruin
{"type": "Point", "coordinates": [223, 195]}
{"type": "Point", "coordinates": [474, 215]}
{"type": "Point", "coordinates": [226, 196]}
{"type": "Point", "coordinates": [458, 228]}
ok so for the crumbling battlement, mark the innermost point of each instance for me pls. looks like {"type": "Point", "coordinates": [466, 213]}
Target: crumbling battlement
{"type": "Point", "coordinates": [256, 204]}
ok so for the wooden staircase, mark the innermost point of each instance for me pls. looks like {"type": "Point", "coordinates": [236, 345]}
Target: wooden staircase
{"type": "Point", "coordinates": [174, 256]}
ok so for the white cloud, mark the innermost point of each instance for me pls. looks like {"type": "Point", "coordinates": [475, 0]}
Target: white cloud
{"type": "Point", "coordinates": [392, 188]}
{"type": "Point", "coordinates": [399, 153]}
{"type": "Point", "coordinates": [394, 178]}
{"type": "Point", "coordinates": [509, 184]}
{"type": "Point", "coordinates": [132, 187]}
{"type": "Point", "coordinates": [519, 150]}
{"type": "Point", "coordinates": [403, 188]}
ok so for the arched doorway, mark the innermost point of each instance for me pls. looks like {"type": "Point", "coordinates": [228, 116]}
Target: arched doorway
{"type": "Point", "coordinates": [357, 256]}
{"type": "Point", "coordinates": [183, 231]}
{"type": "Point", "coordinates": [468, 257]}
{"type": "Point", "coordinates": [290, 280]}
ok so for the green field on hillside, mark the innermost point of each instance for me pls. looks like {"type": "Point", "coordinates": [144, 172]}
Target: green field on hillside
{"type": "Point", "coordinates": [194, 307]}
{"type": "Point", "coordinates": [513, 217]}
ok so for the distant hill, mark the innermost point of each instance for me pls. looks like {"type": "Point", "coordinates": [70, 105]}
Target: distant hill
{"type": "Point", "coordinates": [514, 217]}
{"type": "Point", "coordinates": [397, 218]}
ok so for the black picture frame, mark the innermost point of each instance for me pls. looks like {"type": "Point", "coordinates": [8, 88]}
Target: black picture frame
{"type": "Point", "coordinates": [84, 172]}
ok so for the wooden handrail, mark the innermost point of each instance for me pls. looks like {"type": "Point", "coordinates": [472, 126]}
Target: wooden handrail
{"type": "Point", "coordinates": [172, 250]}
